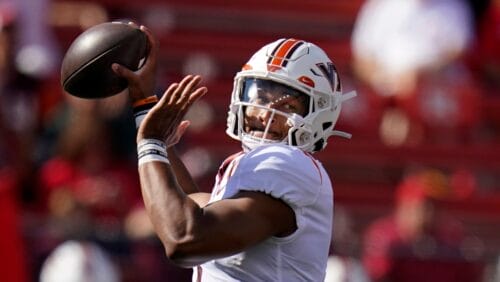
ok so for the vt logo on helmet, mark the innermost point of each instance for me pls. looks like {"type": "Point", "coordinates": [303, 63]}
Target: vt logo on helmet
{"type": "Point", "coordinates": [288, 81]}
{"type": "Point", "coordinates": [330, 73]}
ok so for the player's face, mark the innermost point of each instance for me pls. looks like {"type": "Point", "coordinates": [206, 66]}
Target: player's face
{"type": "Point", "coordinates": [268, 95]}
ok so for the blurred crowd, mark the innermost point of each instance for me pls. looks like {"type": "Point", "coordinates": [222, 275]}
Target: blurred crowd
{"type": "Point", "coordinates": [70, 203]}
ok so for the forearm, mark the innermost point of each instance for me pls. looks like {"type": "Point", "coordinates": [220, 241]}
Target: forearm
{"type": "Point", "coordinates": [172, 213]}
{"type": "Point", "coordinates": [185, 180]}
{"type": "Point", "coordinates": [182, 175]}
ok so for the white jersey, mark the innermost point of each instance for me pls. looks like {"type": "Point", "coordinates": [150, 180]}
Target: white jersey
{"type": "Point", "coordinates": [299, 180]}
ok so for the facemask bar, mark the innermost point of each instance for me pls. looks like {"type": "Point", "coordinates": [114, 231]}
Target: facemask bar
{"type": "Point", "coordinates": [263, 139]}
{"type": "Point", "coordinates": [266, 91]}
{"type": "Point", "coordinates": [263, 94]}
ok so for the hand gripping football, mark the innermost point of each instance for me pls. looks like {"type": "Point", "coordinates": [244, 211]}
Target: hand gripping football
{"type": "Point", "coordinates": [86, 68]}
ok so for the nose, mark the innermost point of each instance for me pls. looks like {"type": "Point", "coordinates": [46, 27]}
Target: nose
{"type": "Point", "coordinates": [265, 116]}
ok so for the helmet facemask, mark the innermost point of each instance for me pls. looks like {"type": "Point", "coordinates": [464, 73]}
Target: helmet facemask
{"type": "Point", "coordinates": [267, 110]}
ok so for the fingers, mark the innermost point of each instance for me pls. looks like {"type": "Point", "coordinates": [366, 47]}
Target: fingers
{"type": "Point", "coordinates": [122, 71]}
{"type": "Point", "coordinates": [197, 94]}
{"type": "Point", "coordinates": [179, 94]}
{"type": "Point", "coordinates": [131, 23]}
{"type": "Point", "coordinates": [149, 65]}
{"type": "Point", "coordinates": [181, 129]}
{"type": "Point", "coordinates": [179, 97]}
{"type": "Point", "coordinates": [182, 95]}
{"type": "Point", "coordinates": [165, 100]}
{"type": "Point", "coordinates": [179, 132]}
{"type": "Point", "coordinates": [153, 43]}
{"type": "Point", "coordinates": [190, 86]}
{"type": "Point", "coordinates": [165, 118]}
{"type": "Point", "coordinates": [182, 89]}
{"type": "Point", "coordinates": [141, 83]}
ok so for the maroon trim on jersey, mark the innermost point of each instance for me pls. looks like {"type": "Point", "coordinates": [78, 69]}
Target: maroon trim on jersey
{"type": "Point", "coordinates": [316, 165]}
{"type": "Point", "coordinates": [199, 271]}
{"type": "Point", "coordinates": [222, 169]}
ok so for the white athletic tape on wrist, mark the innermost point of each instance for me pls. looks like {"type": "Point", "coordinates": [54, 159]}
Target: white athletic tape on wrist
{"type": "Point", "coordinates": [153, 158]}
{"type": "Point", "coordinates": [151, 142]}
{"type": "Point", "coordinates": [152, 150]}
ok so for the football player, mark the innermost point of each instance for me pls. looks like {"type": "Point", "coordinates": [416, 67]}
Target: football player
{"type": "Point", "coordinates": [269, 216]}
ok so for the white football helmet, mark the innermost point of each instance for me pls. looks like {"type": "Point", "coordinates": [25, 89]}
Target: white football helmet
{"type": "Point", "coordinates": [305, 68]}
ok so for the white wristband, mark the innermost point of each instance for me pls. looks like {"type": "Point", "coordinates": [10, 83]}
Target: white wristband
{"type": "Point", "coordinates": [152, 150]}
{"type": "Point", "coordinates": [139, 117]}
{"type": "Point", "coordinates": [141, 108]}
{"type": "Point", "coordinates": [153, 158]}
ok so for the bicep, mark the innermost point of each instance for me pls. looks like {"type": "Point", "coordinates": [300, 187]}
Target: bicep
{"type": "Point", "coordinates": [200, 198]}
{"type": "Point", "coordinates": [232, 225]}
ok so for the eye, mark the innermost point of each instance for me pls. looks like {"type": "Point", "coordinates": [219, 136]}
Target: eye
{"type": "Point", "coordinates": [262, 100]}
{"type": "Point", "coordinates": [289, 108]}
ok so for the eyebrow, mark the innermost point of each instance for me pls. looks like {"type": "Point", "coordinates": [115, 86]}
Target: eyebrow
{"type": "Point", "coordinates": [290, 99]}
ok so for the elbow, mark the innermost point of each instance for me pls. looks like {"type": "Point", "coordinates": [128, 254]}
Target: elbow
{"type": "Point", "coordinates": [176, 254]}
{"type": "Point", "coordinates": [181, 260]}
{"type": "Point", "coordinates": [183, 239]}
{"type": "Point", "coordinates": [182, 254]}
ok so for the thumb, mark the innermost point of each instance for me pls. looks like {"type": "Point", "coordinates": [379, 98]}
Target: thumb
{"type": "Point", "coordinates": [181, 129]}
{"type": "Point", "coordinates": [122, 71]}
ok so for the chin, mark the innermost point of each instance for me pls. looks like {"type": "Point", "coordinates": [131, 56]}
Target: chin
{"type": "Point", "coordinates": [269, 136]}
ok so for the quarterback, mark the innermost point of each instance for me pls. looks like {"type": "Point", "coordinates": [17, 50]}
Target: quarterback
{"type": "Point", "coordinates": [269, 216]}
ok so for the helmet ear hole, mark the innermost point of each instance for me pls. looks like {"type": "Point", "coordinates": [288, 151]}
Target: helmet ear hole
{"type": "Point", "coordinates": [319, 145]}
{"type": "Point", "coordinates": [294, 138]}
{"type": "Point", "coordinates": [326, 125]}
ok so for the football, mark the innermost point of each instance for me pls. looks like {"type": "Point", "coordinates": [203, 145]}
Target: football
{"type": "Point", "coordinates": [86, 67]}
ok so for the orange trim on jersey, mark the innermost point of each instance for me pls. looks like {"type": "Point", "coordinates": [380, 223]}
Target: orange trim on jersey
{"type": "Point", "coordinates": [280, 54]}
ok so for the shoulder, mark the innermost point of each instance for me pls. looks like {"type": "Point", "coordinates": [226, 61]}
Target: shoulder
{"type": "Point", "coordinates": [270, 148]}
{"type": "Point", "coordinates": [278, 157]}
{"type": "Point", "coordinates": [282, 171]}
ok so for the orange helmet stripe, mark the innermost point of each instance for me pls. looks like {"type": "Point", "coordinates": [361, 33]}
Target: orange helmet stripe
{"type": "Point", "coordinates": [283, 51]}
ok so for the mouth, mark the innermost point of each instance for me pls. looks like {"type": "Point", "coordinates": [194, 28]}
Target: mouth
{"type": "Point", "coordinates": [259, 133]}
